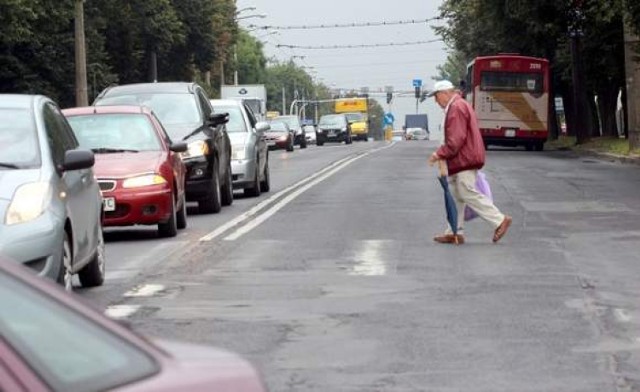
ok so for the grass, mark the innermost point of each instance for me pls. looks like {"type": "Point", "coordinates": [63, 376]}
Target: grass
{"type": "Point", "coordinates": [609, 145]}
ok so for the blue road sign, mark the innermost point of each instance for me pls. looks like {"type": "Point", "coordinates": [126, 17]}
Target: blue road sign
{"type": "Point", "coordinates": [417, 82]}
{"type": "Point", "coordinates": [389, 119]}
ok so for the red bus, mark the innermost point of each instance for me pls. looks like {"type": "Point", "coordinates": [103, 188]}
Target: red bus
{"type": "Point", "coordinates": [510, 94]}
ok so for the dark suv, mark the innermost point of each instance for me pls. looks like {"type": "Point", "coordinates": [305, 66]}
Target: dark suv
{"type": "Point", "coordinates": [186, 113]}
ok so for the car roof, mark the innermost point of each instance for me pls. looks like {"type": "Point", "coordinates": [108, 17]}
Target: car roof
{"type": "Point", "coordinates": [164, 87]}
{"type": "Point", "coordinates": [225, 102]}
{"type": "Point", "coordinates": [120, 109]}
{"type": "Point", "coordinates": [18, 101]}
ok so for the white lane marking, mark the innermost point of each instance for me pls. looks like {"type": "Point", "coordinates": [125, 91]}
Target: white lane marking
{"type": "Point", "coordinates": [282, 203]}
{"type": "Point", "coordinates": [622, 315]}
{"type": "Point", "coordinates": [263, 204]}
{"type": "Point", "coordinates": [147, 290]}
{"type": "Point", "coordinates": [121, 311]}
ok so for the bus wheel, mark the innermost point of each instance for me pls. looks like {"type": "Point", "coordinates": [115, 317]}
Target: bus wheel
{"type": "Point", "coordinates": [529, 146]}
{"type": "Point", "coordinates": [539, 146]}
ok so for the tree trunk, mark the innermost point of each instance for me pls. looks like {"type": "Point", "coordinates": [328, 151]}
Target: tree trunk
{"type": "Point", "coordinates": [592, 122]}
{"type": "Point", "coordinates": [632, 70]}
{"type": "Point", "coordinates": [607, 102]}
{"type": "Point", "coordinates": [569, 113]}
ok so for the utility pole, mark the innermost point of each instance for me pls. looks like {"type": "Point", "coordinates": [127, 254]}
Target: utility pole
{"type": "Point", "coordinates": [632, 77]}
{"type": "Point", "coordinates": [81, 56]}
{"type": "Point", "coordinates": [575, 33]}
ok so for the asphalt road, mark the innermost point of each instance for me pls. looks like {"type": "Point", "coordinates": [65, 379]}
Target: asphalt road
{"type": "Point", "coordinates": [331, 282]}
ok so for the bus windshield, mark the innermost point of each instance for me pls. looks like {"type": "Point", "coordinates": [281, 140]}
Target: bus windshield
{"type": "Point", "coordinates": [510, 81]}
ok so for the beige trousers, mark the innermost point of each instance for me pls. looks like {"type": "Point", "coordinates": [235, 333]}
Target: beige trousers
{"type": "Point", "coordinates": [463, 190]}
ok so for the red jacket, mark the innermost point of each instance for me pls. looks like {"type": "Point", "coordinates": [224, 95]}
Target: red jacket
{"type": "Point", "coordinates": [463, 147]}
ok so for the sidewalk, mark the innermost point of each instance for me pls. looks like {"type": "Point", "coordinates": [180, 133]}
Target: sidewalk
{"type": "Point", "coordinates": [601, 148]}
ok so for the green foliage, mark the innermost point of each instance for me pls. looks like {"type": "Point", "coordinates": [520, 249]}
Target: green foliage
{"type": "Point", "coordinates": [297, 84]}
{"type": "Point", "coordinates": [251, 63]}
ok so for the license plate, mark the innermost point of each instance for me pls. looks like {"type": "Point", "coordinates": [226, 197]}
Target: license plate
{"type": "Point", "coordinates": [332, 133]}
{"type": "Point", "coordinates": [510, 133]}
{"type": "Point", "coordinates": [109, 204]}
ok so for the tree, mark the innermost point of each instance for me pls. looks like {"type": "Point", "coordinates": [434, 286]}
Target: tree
{"type": "Point", "coordinates": [251, 62]}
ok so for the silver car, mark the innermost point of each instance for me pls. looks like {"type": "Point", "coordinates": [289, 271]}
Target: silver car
{"type": "Point", "coordinates": [50, 203]}
{"type": "Point", "coordinates": [249, 153]}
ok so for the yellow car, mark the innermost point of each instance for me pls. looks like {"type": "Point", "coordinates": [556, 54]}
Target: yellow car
{"type": "Point", "coordinates": [359, 125]}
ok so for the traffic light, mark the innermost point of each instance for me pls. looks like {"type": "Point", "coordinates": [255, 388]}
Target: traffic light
{"type": "Point", "coordinates": [389, 97]}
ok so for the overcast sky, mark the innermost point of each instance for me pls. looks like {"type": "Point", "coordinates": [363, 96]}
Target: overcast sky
{"type": "Point", "coordinates": [374, 68]}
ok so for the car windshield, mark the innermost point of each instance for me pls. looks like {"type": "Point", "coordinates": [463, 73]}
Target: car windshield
{"type": "Point", "coordinates": [68, 351]}
{"type": "Point", "coordinates": [292, 121]}
{"type": "Point", "coordinates": [236, 122]}
{"type": "Point", "coordinates": [354, 117]}
{"type": "Point", "coordinates": [115, 132]}
{"type": "Point", "coordinates": [171, 108]}
{"type": "Point", "coordinates": [278, 126]}
{"type": "Point", "coordinates": [18, 140]}
{"type": "Point", "coordinates": [331, 121]}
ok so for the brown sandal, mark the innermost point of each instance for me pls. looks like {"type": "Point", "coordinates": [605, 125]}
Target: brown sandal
{"type": "Point", "coordinates": [502, 229]}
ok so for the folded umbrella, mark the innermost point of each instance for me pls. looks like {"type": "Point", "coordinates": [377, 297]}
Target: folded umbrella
{"type": "Point", "coordinates": [449, 202]}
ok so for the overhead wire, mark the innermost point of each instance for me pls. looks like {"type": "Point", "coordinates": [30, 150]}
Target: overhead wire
{"type": "Point", "coordinates": [346, 25]}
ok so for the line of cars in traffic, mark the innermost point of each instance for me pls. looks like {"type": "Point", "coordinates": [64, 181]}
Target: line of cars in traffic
{"type": "Point", "coordinates": [137, 156]}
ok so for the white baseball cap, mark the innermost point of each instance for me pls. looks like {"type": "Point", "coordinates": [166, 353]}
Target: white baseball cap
{"type": "Point", "coordinates": [440, 85]}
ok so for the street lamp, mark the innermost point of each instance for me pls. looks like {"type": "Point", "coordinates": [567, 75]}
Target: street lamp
{"type": "Point", "coordinates": [235, 46]}
{"type": "Point", "coordinates": [81, 56]}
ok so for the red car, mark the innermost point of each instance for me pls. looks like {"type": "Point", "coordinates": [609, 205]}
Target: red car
{"type": "Point", "coordinates": [280, 136]}
{"type": "Point", "coordinates": [50, 341]}
{"type": "Point", "coordinates": [139, 170]}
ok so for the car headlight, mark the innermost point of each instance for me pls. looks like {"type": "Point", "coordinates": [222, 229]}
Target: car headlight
{"type": "Point", "coordinates": [238, 152]}
{"type": "Point", "coordinates": [198, 148]}
{"type": "Point", "coordinates": [28, 203]}
{"type": "Point", "coordinates": [283, 137]}
{"type": "Point", "coordinates": [344, 129]}
{"type": "Point", "coordinates": [146, 180]}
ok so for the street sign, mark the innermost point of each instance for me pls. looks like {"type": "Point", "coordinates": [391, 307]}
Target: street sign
{"type": "Point", "coordinates": [417, 82]}
{"type": "Point", "coordinates": [388, 119]}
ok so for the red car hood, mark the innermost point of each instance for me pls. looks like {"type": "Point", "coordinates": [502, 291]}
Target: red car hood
{"type": "Point", "coordinates": [127, 164]}
{"type": "Point", "coordinates": [197, 368]}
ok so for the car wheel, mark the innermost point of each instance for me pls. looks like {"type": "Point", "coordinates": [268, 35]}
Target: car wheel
{"type": "Point", "coordinates": [181, 216]}
{"type": "Point", "coordinates": [265, 185]}
{"type": "Point", "coordinates": [539, 146]}
{"type": "Point", "coordinates": [64, 273]}
{"type": "Point", "coordinates": [227, 191]}
{"type": "Point", "coordinates": [319, 143]}
{"type": "Point", "coordinates": [170, 227]}
{"type": "Point", "coordinates": [528, 147]}
{"type": "Point", "coordinates": [290, 146]}
{"type": "Point", "coordinates": [303, 142]}
{"type": "Point", "coordinates": [254, 190]}
{"type": "Point", "coordinates": [92, 274]}
{"type": "Point", "coordinates": [212, 203]}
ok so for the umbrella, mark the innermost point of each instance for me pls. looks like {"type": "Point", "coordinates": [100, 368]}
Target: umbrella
{"type": "Point", "coordinates": [449, 203]}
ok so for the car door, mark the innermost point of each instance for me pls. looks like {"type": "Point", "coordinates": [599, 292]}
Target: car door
{"type": "Point", "coordinates": [177, 164]}
{"type": "Point", "coordinates": [217, 136]}
{"type": "Point", "coordinates": [259, 137]}
{"type": "Point", "coordinates": [80, 186]}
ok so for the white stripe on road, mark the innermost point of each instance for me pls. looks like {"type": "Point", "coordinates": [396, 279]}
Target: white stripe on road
{"type": "Point", "coordinates": [265, 203]}
{"type": "Point", "coordinates": [121, 311]}
{"type": "Point", "coordinates": [148, 290]}
{"type": "Point", "coordinates": [315, 180]}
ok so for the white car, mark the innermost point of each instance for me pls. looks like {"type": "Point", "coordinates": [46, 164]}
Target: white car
{"type": "Point", "coordinates": [249, 153]}
{"type": "Point", "coordinates": [310, 134]}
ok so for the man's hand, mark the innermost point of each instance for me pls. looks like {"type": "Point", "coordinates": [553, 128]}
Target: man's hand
{"type": "Point", "coordinates": [433, 159]}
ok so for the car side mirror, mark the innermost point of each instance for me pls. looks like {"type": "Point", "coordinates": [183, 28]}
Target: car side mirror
{"type": "Point", "coordinates": [218, 119]}
{"type": "Point", "coordinates": [179, 147]}
{"type": "Point", "coordinates": [78, 159]}
{"type": "Point", "coordinates": [262, 126]}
